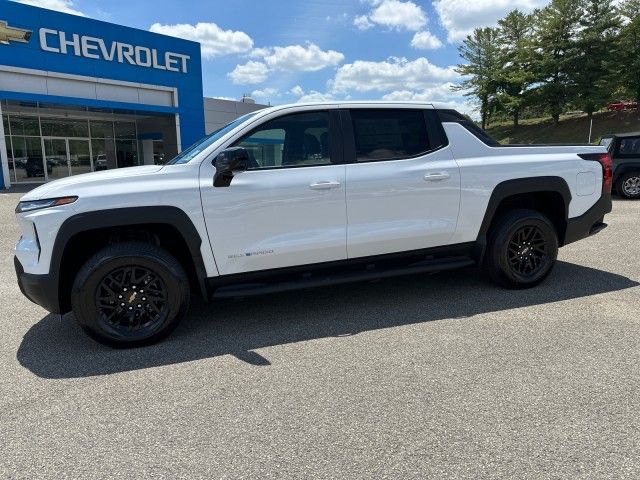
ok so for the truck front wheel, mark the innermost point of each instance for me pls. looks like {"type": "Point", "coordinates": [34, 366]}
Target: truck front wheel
{"type": "Point", "coordinates": [130, 294]}
{"type": "Point", "coordinates": [522, 249]}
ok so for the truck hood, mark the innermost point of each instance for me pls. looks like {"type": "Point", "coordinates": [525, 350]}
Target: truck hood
{"type": "Point", "coordinates": [69, 185]}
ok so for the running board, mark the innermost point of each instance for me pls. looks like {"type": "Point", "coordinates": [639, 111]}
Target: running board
{"type": "Point", "coordinates": [368, 273]}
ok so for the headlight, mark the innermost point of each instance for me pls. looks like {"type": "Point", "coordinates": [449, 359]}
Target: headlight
{"type": "Point", "coordinates": [38, 204]}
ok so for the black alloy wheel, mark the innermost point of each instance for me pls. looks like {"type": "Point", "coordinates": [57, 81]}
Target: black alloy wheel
{"type": "Point", "coordinates": [130, 299]}
{"type": "Point", "coordinates": [527, 251]}
{"type": "Point", "coordinates": [522, 249]}
{"type": "Point", "coordinates": [130, 294]}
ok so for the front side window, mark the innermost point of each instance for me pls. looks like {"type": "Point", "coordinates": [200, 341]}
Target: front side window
{"type": "Point", "coordinates": [296, 140]}
{"type": "Point", "coordinates": [389, 134]}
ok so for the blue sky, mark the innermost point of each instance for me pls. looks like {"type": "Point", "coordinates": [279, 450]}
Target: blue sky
{"type": "Point", "coordinates": [283, 51]}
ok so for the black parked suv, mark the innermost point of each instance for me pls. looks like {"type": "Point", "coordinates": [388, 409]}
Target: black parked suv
{"type": "Point", "coordinates": [35, 167]}
{"type": "Point", "coordinates": [624, 149]}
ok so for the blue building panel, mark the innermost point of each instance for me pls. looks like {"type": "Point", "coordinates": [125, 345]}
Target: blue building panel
{"type": "Point", "coordinates": [70, 44]}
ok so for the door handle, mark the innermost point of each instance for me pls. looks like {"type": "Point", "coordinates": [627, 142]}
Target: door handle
{"type": "Point", "coordinates": [437, 177]}
{"type": "Point", "coordinates": [324, 185]}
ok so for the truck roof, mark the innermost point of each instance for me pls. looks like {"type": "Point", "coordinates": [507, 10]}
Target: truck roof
{"type": "Point", "coordinates": [364, 103]}
{"type": "Point", "coordinates": [621, 135]}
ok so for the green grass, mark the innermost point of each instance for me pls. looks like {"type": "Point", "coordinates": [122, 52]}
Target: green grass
{"type": "Point", "coordinates": [572, 129]}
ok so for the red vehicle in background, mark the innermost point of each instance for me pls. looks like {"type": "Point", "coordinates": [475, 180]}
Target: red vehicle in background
{"type": "Point", "coordinates": [619, 106]}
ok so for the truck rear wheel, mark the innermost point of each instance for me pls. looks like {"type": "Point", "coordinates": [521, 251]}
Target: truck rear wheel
{"type": "Point", "coordinates": [629, 185]}
{"type": "Point", "coordinates": [130, 294]}
{"type": "Point", "coordinates": [522, 249]}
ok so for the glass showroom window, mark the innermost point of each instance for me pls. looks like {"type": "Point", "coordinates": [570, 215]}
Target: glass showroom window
{"type": "Point", "coordinates": [7, 141]}
{"type": "Point", "coordinates": [28, 159]}
{"type": "Point", "coordinates": [64, 127]}
{"type": "Point", "coordinates": [103, 145]}
{"type": "Point", "coordinates": [71, 146]}
{"type": "Point", "coordinates": [24, 148]}
{"type": "Point", "coordinates": [126, 144]}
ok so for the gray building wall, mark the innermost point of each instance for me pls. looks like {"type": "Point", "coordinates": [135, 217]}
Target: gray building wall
{"type": "Point", "coordinates": [217, 112]}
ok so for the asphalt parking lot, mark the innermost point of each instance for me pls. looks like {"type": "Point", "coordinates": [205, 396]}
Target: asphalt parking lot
{"type": "Point", "coordinates": [434, 376]}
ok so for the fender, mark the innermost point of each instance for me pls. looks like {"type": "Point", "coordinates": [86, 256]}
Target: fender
{"type": "Point", "coordinates": [519, 186]}
{"type": "Point", "coordinates": [623, 168]}
{"type": "Point", "coordinates": [122, 217]}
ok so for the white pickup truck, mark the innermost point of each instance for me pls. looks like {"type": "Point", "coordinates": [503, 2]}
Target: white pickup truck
{"type": "Point", "coordinates": [300, 196]}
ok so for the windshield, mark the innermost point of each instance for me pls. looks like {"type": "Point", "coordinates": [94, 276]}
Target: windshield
{"type": "Point", "coordinates": [190, 153]}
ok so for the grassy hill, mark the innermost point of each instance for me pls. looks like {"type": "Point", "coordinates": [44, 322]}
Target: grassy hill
{"type": "Point", "coordinates": [572, 128]}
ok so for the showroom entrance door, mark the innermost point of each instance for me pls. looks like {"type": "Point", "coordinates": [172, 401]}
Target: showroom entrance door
{"type": "Point", "coordinates": [66, 156]}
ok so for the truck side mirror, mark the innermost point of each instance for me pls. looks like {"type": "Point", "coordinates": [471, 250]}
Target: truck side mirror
{"type": "Point", "coordinates": [228, 163]}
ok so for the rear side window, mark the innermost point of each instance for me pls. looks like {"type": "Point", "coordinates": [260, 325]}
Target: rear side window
{"type": "Point", "coordinates": [606, 142]}
{"type": "Point", "coordinates": [629, 147]}
{"type": "Point", "coordinates": [452, 116]}
{"type": "Point", "coordinates": [389, 134]}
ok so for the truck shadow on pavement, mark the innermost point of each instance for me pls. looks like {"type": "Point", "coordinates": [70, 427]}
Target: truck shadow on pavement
{"type": "Point", "coordinates": [57, 348]}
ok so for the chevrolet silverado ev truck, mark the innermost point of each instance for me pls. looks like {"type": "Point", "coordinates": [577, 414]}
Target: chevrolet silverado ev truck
{"type": "Point", "coordinates": [302, 196]}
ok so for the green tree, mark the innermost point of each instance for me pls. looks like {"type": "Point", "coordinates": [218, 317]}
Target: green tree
{"type": "Point", "coordinates": [627, 55]}
{"type": "Point", "coordinates": [481, 52]}
{"type": "Point", "coordinates": [555, 48]}
{"type": "Point", "coordinates": [515, 38]}
{"type": "Point", "coordinates": [593, 73]}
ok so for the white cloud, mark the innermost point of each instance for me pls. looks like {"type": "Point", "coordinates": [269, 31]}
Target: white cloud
{"type": "Point", "coordinates": [259, 52]}
{"type": "Point", "coordinates": [298, 58]}
{"type": "Point", "coordinates": [362, 22]}
{"type": "Point", "coordinates": [461, 17]}
{"type": "Point", "coordinates": [64, 6]}
{"type": "Point", "coordinates": [298, 91]}
{"type": "Point", "coordinates": [441, 94]}
{"type": "Point", "coordinates": [392, 74]}
{"type": "Point", "coordinates": [398, 79]}
{"type": "Point", "coordinates": [293, 58]}
{"type": "Point", "coordinates": [314, 96]}
{"type": "Point", "coordinates": [250, 73]}
{"type": "Point", "coordinates": [426, 41]}
{"type": "Point", "coordinates": [400, 15]}
{"type": "Point", "coordinates": [396, 14]}
{"type": "Point", "coordinates": [437, 93]}
{"type": "Point", "coordinates": [264, 93]}
{"type": "Point", "coordinates": [215, 41]}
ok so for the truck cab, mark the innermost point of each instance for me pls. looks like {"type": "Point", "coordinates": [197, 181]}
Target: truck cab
{"type": "Point", "coordinates": [624, 150]}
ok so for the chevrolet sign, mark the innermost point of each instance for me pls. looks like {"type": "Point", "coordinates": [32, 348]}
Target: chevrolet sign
{"type": "Point", "coordinates": [10, 34]}
{"type": "Point", "coordinates": [56, 41]}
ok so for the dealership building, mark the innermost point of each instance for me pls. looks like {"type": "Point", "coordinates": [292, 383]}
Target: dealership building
{"type": "Point", "coordinates": [80, 95]}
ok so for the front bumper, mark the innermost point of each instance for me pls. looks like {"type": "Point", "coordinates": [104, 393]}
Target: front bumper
{"type": "Point", "coordinates": [40, 289]}
{"type": "Point", "coordinates": [590, 223]}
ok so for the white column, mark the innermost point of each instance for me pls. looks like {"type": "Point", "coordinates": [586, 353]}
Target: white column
{"type": "Point", "coordinates": [4, 158]}
{"type": "Point", "coordinates": [147, 152]}
{"type": "Point", "coordinates": [178, 137]}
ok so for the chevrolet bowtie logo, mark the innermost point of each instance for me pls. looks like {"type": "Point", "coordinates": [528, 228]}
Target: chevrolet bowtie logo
{"type": "Point", "coordinates": [9, 34]}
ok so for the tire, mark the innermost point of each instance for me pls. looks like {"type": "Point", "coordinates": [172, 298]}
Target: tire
{"type": "Point", "coordinates": [109, 301]}
{"type": "Point", "coordinates": [629, 185]}
{"type": "Point", "coordinates": [511, 260]}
